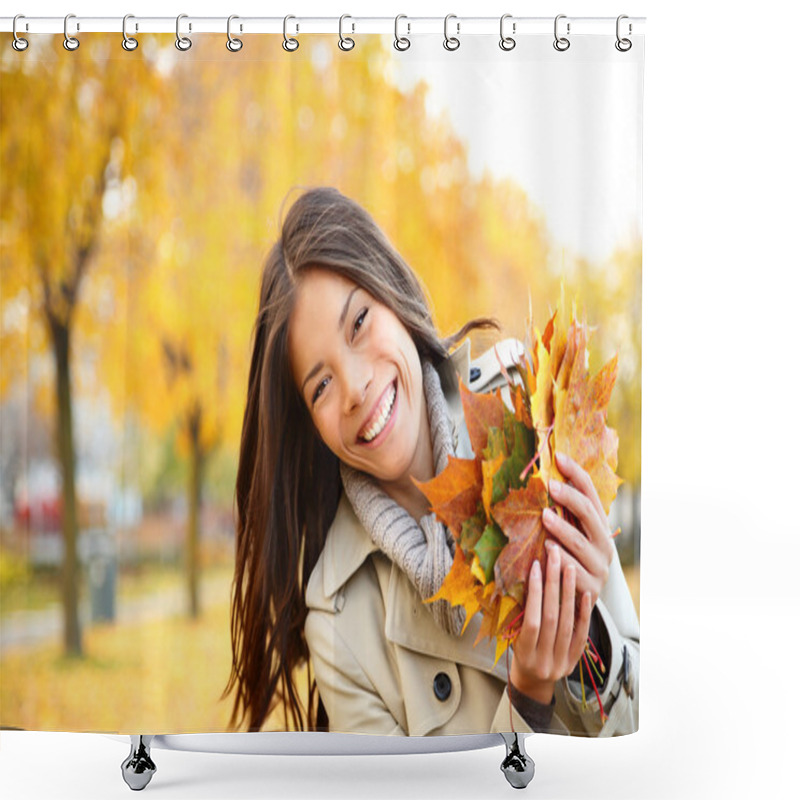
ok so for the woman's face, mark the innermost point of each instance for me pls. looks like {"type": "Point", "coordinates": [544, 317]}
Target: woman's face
{"type": "Point", "coordinates": [359, 374]}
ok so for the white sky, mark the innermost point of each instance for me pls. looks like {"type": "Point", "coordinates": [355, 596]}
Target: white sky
{"type": "Point", "coordinates": [566, 126]}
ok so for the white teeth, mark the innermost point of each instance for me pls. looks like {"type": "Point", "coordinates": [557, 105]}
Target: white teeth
{"type": "Point", "coordinates": [383, 416]}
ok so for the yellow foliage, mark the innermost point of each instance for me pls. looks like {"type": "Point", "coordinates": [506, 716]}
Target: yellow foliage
{"type": "Point", "coordinates": [175, 167]}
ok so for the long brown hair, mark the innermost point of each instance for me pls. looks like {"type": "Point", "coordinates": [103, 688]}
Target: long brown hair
{"type": "Point", "coordinates": [288, 484]}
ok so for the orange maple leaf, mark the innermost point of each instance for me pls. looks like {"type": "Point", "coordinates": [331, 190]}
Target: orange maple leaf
{"type": "Point", "coordinates": [455, 492]}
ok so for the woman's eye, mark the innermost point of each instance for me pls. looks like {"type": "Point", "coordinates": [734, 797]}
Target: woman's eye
{"type": "Point", "coordinates": [318, 391]}
{"type": "Point", "coordinates": [359, 321]}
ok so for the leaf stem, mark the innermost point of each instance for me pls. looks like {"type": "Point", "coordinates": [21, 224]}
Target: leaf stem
{"type": "Point", "coordinates": [603, 716]}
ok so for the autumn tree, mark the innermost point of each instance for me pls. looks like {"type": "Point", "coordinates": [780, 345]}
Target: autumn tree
{"type": "Point", "coordinates": [65, 128]}
{"type": "Point", "coordinates": [173, 167]}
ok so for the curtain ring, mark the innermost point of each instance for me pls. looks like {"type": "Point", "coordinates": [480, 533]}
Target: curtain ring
{"type": "Point", "coordinates": [561, 43]}
{"type": "Point", "coordinates": [234, 45]}
{"type": "Point", "coordinates": [506, 42]}
{"type": "Point", "coordinates": [451, 42]}
{"type": "Point", "coordinates": [289, 44]}
{"type": "Point", "coordinates": [623, 45]}
{"type": "Point", "coordinates": [128, 42]}
{"type": "Point", "coordinates": [345, 43]}
{"type": "Point", "coordinates": [18, 43]}
{"type": "Point", "coordinates": [401, 42]}
{"type": "Point", "coordinates": [183, 43]}
{"type": "Point", "coordinates": [70, 42]}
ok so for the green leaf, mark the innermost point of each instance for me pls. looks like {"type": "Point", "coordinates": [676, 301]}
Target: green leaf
{"type": "Point", "coordinates": [518, 445]}
{"type": "Point", "coordinates": [496, 444]}
{"type": "Point", "coordinates": [471, 531]}
{"type": "Point", "coordinates": [488, 548]}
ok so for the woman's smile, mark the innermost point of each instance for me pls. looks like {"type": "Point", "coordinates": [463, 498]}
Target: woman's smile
{"type": "Point", "coordinates": [380, 423]}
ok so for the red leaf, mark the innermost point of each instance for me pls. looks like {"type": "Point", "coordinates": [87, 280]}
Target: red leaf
{"type": "Point", "coordinates": [520, 518]}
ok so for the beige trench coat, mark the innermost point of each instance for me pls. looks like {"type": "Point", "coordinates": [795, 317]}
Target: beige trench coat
{"type": "Point", "coordinates": [384, 667]}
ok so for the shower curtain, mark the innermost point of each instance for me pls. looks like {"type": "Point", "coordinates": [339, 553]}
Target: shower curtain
{"type": "Point", "coordinates": [142, 194]}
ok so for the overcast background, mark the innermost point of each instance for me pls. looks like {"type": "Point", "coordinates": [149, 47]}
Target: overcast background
{"type": "Point", "coordinates": [720, 529]}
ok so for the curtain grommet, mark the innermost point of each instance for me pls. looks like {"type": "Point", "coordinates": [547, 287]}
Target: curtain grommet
{"type": "Point", "coordinates": [183, 43]}
{"type": "Point", "coordinates": [18, 43]}
{"type": "Point", "coordinates": [345, 42]}
{"type": "Point", "coordinates": [70, 42]}
{"type": "Point", "coordinates": [561, 43]}
{"type": "Point", "coordinates": [234, 45]}
{"type": "Point", "coordinates": [290, 44]}
{"type": "Point", "coordinates": [451, 43]}
{"type": "Point", "coordinates": [129, 43]}
{"type": "Point", "coordinates": [507, 43]}
{"type": "Point", "coordinates": [401, 43]}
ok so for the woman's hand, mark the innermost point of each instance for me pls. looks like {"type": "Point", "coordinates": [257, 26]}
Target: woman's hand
{"type": "Point", "coordinates": [551, 641]}
{"type": "Point", "coordinates": [589, 548]}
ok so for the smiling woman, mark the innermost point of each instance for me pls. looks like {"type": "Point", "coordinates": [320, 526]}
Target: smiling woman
{"type": "Point", "coordinates": [353, 399]}
{"type": "Point", "coordinates": [365, 394]}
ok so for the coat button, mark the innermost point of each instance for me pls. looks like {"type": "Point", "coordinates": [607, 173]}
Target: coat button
{"type": "Point", "coordinates": [442, 686]}
{"type": "Point", "coordinates": [474, 374]}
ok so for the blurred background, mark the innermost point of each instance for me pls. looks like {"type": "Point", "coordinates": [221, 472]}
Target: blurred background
{"type": "Point", "coordinates": [140, 194]}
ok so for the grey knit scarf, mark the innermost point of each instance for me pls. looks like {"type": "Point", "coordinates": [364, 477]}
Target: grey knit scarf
{"type": "Point", "coordinates": [423, 551]}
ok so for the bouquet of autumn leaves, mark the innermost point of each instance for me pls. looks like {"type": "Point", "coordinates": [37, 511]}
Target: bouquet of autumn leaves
{"type": "Point", "coordinates": [493, 503]}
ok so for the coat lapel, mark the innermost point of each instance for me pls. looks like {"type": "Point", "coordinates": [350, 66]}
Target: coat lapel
{"type": "Point", "coordinates": [410, 624]}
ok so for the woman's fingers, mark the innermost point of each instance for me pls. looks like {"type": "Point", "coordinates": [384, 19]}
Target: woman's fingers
{"type": "Point", "coordinates": [581, 506]}
{"type": "Point", "coordinates": [533, 604]}
{"type": "Point", "coordinates": [550, 603]}
{"type": "Point", "coordinates": [585, 580]}
{"type": "Point", "coordinates": [566, 618]}
{"type": "Point", "coordinates": [580, 478]}
{"type": "Point", "coordinates": [586, 552]}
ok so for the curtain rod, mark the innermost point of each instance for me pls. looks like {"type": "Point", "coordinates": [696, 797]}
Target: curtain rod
{"type": "Point", "coordinates": [461, 26]}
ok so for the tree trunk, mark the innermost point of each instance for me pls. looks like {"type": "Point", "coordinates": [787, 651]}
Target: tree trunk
{"type": "Point", "coordinates": [193, 533]}
{"type": "Point", "coordinates": [70, 568]}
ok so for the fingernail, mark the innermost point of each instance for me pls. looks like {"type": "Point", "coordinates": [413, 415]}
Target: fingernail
{"type": "Point", "coordinates": [549, 515]}
{"type": "Point", "coordinates": [537, 569]}
{"type": "Point", "coordinates": [562, 459]}
{"type": "Point", "coordinates": [555, 486]}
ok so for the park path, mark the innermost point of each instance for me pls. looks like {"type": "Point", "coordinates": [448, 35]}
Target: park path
{"type": "Point", "coordinates": [23, 629]}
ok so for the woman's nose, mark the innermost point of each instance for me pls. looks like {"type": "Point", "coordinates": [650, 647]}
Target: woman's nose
{"type": "Point", "coordinates": [357, 380]}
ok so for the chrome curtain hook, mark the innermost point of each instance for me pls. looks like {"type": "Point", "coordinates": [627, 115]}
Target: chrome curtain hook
{"type": "Point", "coordinates": [70, 42]}
{"type": "Point", "coordinates": [506, 42]}
{"type": "Point", "coordinates": [289, 44]}
{"type": "Point", "coordinates": [182, 42]}
{"type": "Point", "coordinates": [18, 43]}
{"type": "Point", "coordinates": [561, 43]}
{"type": "Point", "coordinates": [623, 45]}
{"type": "Point", "coordinates": [128, 42]}
{"type": "Point", "coordinates": [346, 43]}
{"type": "Point", "coordinates": [451, 42]}
{"type": "Point", "coordinates": [234, 45]}
{"type": "Point", "coordinates": [401, 42]}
